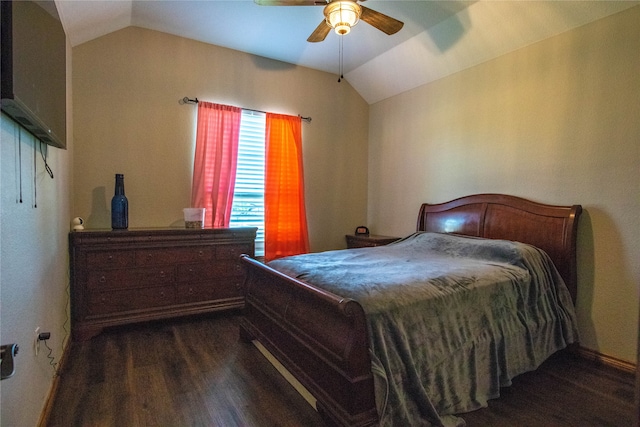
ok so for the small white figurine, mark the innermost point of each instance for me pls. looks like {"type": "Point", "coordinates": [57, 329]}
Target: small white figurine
{"type": "Point", "coordinates": [77, 223]}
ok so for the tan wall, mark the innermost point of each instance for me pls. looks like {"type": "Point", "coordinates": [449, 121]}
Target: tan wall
{"type": "Point", "coordinates": [128, 120]}
{"type": "Point", "coordinates": [557, 122]}
{"type": "Point", "coordinates": [34, 262]}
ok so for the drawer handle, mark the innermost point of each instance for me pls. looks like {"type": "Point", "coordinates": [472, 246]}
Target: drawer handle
{"type": "Point", "coordinates": [162, 294]}
{"type": "Point", "coordinates": [190, 291]}
{"type": "Point", "coordinates": [149, 255]}
{"type": "Point", "coordinates": [110, 257]}
{"type": "Point", "coordinates": [162, 274]}
{"type": "Point", "coordinates": [103, 279]}
{"type": "Point", "coordinates": [200, 254]}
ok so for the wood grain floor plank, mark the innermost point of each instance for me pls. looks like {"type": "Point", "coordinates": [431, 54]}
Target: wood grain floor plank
{"type": "Point", "coordinates": [196, 372]}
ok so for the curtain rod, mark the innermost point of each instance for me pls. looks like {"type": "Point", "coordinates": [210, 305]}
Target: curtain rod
{"type": "Point", "coordinates": [187, 100]}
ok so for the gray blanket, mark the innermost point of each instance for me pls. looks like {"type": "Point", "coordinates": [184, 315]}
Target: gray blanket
{"type": "Point", "coordinates": [451, 319]}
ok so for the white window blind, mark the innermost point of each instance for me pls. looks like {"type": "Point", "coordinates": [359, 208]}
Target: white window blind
{"type": "Point", "coordinates": [248, 198]}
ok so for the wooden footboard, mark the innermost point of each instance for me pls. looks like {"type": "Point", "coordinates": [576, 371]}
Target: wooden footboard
{"type": "Point", "coordinates": [321, 338]}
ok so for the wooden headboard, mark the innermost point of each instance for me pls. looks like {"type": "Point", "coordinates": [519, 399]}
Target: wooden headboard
{"type": "Point", "coordinates": [498, 216]}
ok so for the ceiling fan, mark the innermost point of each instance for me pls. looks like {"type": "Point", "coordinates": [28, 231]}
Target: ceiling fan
{"type": "Point", "coordinates": [341, 15]}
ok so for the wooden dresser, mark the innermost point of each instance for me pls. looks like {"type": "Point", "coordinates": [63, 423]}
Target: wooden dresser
{"type": "Point", "coordinates": [127, 276]}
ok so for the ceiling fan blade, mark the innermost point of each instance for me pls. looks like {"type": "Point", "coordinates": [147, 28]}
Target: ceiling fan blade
{"type": "Point", "coordinates": [290, 2]}
{"type": "Point", "coordinates": [381, 21]}
{"type": "Point", "coordinates": [320, 33]}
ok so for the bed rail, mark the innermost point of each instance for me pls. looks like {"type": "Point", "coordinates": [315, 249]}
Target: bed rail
{"type": "Point", "coordinates": [320, 337]}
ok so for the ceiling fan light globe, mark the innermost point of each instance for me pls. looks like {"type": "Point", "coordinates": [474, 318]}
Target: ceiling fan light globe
{"type": "Point", "coordinates": [342, 29]}
{"type": "Point", "coordinates": [341, 15]}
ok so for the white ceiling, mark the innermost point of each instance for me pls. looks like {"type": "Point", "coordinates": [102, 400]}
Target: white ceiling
{"type": "Point", "coordinates": [439, 37]}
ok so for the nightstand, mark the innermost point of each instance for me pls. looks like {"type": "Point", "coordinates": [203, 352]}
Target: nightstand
{"type": "Point", "coordinates": [364, 241]}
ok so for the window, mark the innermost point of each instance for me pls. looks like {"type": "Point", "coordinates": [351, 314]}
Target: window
{"type": "Point", "coordinates": [248, 198]}
{"type": "Point", "coordinates": [270, 187]}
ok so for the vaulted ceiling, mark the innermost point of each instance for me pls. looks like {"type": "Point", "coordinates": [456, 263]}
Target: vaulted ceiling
{"type": "Point", "coordinates": [438, 38]}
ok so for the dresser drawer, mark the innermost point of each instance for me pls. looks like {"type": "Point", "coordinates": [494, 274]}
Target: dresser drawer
{"type": "Point", "coordinates": [200, 272]}
{"type": "Point", "coordinates": [103, 303]}
{"type": "Point", "coordinates": [149, 257]}
{"type": "Point", "coordinates": [232, 251]}
{"type": "Point", "coordinates": [130, 277]}
{"type": "Point", "coordinates": [210, 291]}
{"type": "Point", "coordinates": [110, 259]}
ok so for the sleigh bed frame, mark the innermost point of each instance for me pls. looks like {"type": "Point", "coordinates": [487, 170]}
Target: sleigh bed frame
{"type": "Point", "coordinates": [321, 338]}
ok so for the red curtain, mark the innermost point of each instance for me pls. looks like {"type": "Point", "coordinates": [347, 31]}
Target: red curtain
{"type": "Point", "coordinates": [285, 219]}
{"type": "Point", "coordinates": [214, 166]}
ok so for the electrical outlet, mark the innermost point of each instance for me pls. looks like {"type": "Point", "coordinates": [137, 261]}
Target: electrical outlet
{"type": "Point", "coordinates": [36, 340]}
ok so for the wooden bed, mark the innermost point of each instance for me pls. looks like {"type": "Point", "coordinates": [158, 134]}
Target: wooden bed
{"type": "Point", "coordinates": [321, 338]}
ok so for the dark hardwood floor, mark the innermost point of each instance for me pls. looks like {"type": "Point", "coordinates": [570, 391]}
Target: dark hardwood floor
{"type": "Point", "coordinates": [196, 372]}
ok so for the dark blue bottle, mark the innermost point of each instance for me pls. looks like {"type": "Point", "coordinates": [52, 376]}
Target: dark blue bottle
{"type": "Point", "coordinates": [119, 206]}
